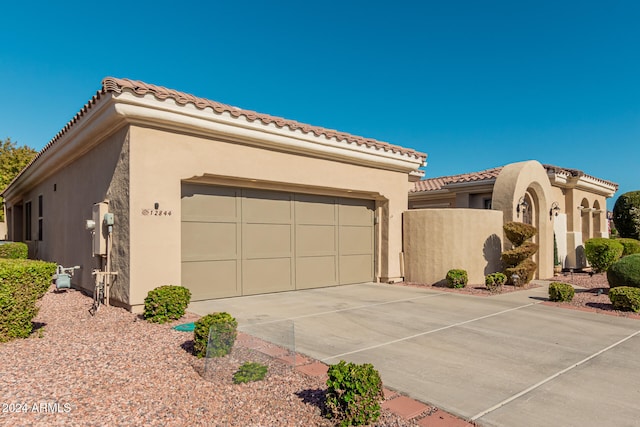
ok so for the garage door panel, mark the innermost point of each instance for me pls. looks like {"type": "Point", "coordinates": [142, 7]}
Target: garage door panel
{"type": "Point", "coordinates": [356, 269]}
{"type": "Point", "coordinates": [266, 240]}
{"type": "Point", "coordinates": [315, 240]}
{"type": "Point", "coordinates": [356, 212]}
{"type": "Point", "coordinates": [202, 203]}
{"type": "Point", "coordinates": [315, 210]}
{"type": "Point", "coordinates": [316, 271]}
{"type": "Point", "coordinates": [356, 240]}
{"type": "Point", "coordinates": [209, 241]}
{"type": "Point", "coordinates": [266, 207]}
{"type": "Point", "coordinates": [266, 275]}
{"type": "Point", "coordinates": [211, 279]}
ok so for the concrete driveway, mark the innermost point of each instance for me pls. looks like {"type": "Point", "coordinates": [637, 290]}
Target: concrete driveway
{"type": "Point", "coordinates": [505, 360]}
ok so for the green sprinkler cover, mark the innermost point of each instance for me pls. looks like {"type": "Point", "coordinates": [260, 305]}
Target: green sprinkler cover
{"type": "Point", "coordinates": [185, 327]}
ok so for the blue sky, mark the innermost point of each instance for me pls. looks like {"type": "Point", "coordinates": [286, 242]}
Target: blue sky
{"type": "Point", "coordinates": [474, 84]}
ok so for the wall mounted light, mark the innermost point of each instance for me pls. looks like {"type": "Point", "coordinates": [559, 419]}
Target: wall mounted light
{"type": "Point", "coordinates": [555, 208]}
{"type": "Point", "coordinates": [521, 206]}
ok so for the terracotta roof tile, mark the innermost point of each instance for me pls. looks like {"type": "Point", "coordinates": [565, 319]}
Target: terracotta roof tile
{"type": "Point", "coordinates": [577, 174]}
{"type": "Point", "coordinates": [111, 84]}
{"type": "Point", "coordinates": [433, 184]}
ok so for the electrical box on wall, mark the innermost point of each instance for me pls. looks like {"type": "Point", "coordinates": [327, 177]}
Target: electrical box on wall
{"type": "Point", "coordinates": [100, 231]}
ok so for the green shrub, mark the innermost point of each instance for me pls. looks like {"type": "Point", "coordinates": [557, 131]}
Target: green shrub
{"type": "Point", "coordinates": [631, 246]}
{"type": "Point", "coordinates": [625, 272]}
{"type": "Point", "coordinates": [14, 250]}
{"type": "Point", "coordinates": [457, 278]}
{"type": "Point", "coordinates": [562, 292]}
{"type": "Point", "coordinates": [354, 393]}
{"type": "Point", "coordinates": [625, 298]}
{"type": "Point", "coordinates": [250, 371]}
{"type": "Point", "coordinates": [494, 281]}
{"type": "Point", "coordinates": [22, 283]}
{"type": "Point", "coordinates": [601, 252]}
{"type": "Point", "coordinates": [626, 215]}
{"type": "Point", "coordinates": [223, 329]}
{"type": "Point", "coordinates": [166, 303]}
{"type": "Point", "coordinates": [518, 232]}
{"type": "Point", "coordinates": [516, 255]}
{"type": "Point", "coordinates": [525, 271]}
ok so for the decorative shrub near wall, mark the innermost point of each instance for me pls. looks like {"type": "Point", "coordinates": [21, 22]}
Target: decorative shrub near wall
{"type": "Point", "coordinates": [631, 246]}
{"type": "Point", "coordinates": [223, 335]}
{"type": "Point", "coordinates": [457, 278]}
{"type": "Point", "coordinates": [518, 260]}
{"type": "Point", "coordinates": [625, 272]}
{"type": "Point", "coordinates": [625, 298]}
{"type": "Point", "coordinates": [494, 281]}
{"type": "Point", "coordinates": [22, 283]}
{"type": "Point", "coordinates": [166, 303]}
{"type": "Point", "coordinates": [562, 292]}
{"type": "Point", "coordinates": [626, 214]}
{"type": "Point", "coordinates": [601, 252]}
{"type": "Point", "coordinates": [14, 250]}
{"type": "Point", "coordinates": [354, 393]}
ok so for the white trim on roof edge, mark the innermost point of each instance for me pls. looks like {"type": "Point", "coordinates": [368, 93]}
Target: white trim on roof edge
{"type": "Point", "coordinates": [148, 110]}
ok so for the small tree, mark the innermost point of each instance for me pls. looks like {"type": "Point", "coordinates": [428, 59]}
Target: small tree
{"type": "Point", "coordinates": [626, 215]}
{"type": "Point", "coordinates": [518, 260]}
{"type": "Point", "coordinates": [12, 160]}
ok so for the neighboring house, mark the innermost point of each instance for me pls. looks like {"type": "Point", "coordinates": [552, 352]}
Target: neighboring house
{"type": "Point", "coordinates": [222, 200]}
{"type": "Point", "coordinates": [567, 202]}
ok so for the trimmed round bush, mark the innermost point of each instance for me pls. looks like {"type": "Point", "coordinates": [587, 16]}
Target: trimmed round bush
{"type": "Point", "coordinates": [626, 215]}
{"type": "Point", "coordinates": [562, 292]}
{"type": "Point", "coordinates": [519, 232]}
{"type": "Point", "coordinates": [166, 303]}
{"type": "Point", "coordinates": [354, 393]}
{"type": "Point", "coordinates": [457, 278]}
{"type": "Point", "coordinates": [223, 329]}
{"type": "Point", "coordinates": [625, 272]}
{"type": "Point", "coordinates": [631, 246]}
{"type": "Point", "coordinates": [14, 250]}
{"type": "Point", "coordinates": [601, 252]}
{"type": "Point", "coordinates": [625, 298]}
{"type": "Point", "coordinates": [494, 281]}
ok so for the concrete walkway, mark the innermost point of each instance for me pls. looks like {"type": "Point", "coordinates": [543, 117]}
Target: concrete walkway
{"type": "Point", "coordinates": [504, 360]}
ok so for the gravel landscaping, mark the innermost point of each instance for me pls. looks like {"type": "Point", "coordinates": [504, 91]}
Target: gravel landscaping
{"type": "Point", "coordinates": [116, 369]}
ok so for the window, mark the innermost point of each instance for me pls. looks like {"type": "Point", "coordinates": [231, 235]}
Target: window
{"type": "Point", "coordinates": [487, 203]}
{"type": "Point", "coordinates": [40, 217]}
{"type": "Point", "coordinates": [27, 221]}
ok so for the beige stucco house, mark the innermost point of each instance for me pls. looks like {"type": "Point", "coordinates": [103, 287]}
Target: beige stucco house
{"type": "Point", "coordinates": [222, 200]}
{"type": "Point", "coordinates": [469, 209]}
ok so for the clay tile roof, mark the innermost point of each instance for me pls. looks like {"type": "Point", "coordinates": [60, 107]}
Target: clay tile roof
{"type": "Point", "coordinates": [433, 184]}
{"type": "Point", "coordinates": [111, 84]}
{"type": "Point", "coordinates": [577, 174]}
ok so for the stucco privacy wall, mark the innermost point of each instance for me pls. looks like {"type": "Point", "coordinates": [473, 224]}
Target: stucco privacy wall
{"type": "Point", "coordinates": [161, 161]}
{"type": "Point", "coordinates": [438, 240]}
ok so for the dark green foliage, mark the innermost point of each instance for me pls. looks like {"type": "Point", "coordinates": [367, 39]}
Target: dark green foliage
{"type": "Point", "coordinates": [556, 258]}
{"type": "Point", "coordinates": [518, 260]}
{"type": "Point", "coordinates": [14, 250]}
{"type": "Point", "coordinates": [250, 371]}
{"type": "Point", "coordinates": [631, 246]}
{"type": "Point", "coordinates": [12, 160]}
{"type": "Point", "coordinates": [519, 232]}
{"type": "Point", "coordinates": [223, 335]}
{"type": "Point", "coordinates": [601, 252]}
{"type": "Point", "coordinates": [562, 292]}
{"type": "Point", "coordinates": [626, 215]}
{"type": "Point", "coordinates": [625, 298]}
{"type": "Point", "coordinates": [517, 255]}
{"type": "Point", "coordinates": [22, 283]}
{"type": "Point", "coordinates": [625, 272]}
{"type": "Point", "coordinates": [354, 393]}
{"type": "Point", "coordinates": [166, 303]}
{"type": "Point", "coordinates": [525, 271]}
{"type": "Point", "coordinates": [457, 278]}
{"type": "Point", "coordinates": [494, 281]}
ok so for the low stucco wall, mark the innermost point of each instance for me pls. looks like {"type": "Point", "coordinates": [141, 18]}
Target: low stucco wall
{"type": "Point", "coordinates": [3, 230]}
{"type": "Point", "coordinates": [438, 240]}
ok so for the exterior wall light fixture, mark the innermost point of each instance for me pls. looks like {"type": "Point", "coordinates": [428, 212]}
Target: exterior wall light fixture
{"type": "Point", "coordinates": [521, 206]}
{"type": "Point", "coordinates": [555, 208]}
